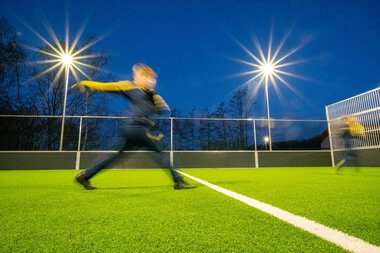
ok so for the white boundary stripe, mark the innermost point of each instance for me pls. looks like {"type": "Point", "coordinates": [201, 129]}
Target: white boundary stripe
{"type": "Point", "coordinates": [341, 239]}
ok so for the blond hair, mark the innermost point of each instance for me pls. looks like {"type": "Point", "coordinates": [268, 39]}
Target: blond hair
{"type": "Point", "coordinates": [144, 70]}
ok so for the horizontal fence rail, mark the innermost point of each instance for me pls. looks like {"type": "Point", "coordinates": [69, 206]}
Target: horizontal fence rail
{"type": "Point", "coordinates": [91, 133]}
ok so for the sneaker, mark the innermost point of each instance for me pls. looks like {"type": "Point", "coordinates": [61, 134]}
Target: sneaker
{"type": "Point", "coordinates": [183, 185]}
{"type": "Point", "coordinates": [339, 166]}
{"type": "Point", "coordinates": [81, 178]}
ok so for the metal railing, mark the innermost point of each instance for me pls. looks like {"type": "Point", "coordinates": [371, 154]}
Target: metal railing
{"type": "Point", "coordinates": [86, 133]}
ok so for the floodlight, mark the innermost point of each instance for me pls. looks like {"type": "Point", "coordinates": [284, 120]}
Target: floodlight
{"type": "Point", "coordinates": [67, 59]}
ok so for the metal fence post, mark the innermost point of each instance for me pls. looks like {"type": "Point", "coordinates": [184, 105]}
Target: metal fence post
{"type": "Point", "coordinates": [171, 143]}
{"type": "Point", "coordinates": [330, 137]}
{"type": "Point", "coordinates": [255, 142]}
{"type": "Point", "coordinates": [77, 162]}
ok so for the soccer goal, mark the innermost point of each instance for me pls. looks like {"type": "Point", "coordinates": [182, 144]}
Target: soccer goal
{"type": "Point", "coordinates": [366, 108]}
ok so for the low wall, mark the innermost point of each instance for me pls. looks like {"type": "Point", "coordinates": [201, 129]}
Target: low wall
{"type": "Point", "coordinates": [36, 160]}
{"type": "Point", "coordinates": [200, 159]}
{"type": "Point", "coordinates": [128, 159]}
{"type": "Point", "coordinates": [212, 159]}
{"type": "Point", "coordinates": [294, 158]}
{"type": "Point", "coordinates": [365, 157]}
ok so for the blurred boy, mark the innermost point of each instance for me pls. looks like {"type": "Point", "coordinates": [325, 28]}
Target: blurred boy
{"type": "Point", "coordinates": [352, 130]}
{"type": "Point", "coordinates": [139, 129]}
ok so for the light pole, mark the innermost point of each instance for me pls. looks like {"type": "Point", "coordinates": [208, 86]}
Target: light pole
{"type": "Point", "coordinates": [267, 70]}
{"type": "Point", "coordinates": [66, 60]}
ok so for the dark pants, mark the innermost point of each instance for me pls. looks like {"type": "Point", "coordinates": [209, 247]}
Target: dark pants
{"type": "Point", "coordinates": [136, 136]}
{"type": "Point", "coordinates": [350, 155]}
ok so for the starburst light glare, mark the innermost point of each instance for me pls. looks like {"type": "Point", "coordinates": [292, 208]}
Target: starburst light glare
{"type": "Point", "coordinates": [266, 141]}
{"type": "Point", "coordinates": [268, 68]}
{"type": "Point", "coordinates": [64, 58]}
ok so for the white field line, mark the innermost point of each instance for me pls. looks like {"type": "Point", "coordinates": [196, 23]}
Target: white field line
{"type": "Point", "coordinates": [341, 239]}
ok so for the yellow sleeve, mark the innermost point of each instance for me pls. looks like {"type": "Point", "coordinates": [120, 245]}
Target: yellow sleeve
{"type": "Point", "coordinates": [357, 130]}
{"type": "Point", "coordinates": [114, 86]}
{"type": "Point", "coordinates": [160, 104]}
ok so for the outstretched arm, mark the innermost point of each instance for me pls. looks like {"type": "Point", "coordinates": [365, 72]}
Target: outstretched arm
{"type": "Point", "coordinates": [113, 86]}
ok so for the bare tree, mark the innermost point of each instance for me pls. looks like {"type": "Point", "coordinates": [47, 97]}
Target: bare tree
{"type": "Point", "coordinates": [14, 131]}
{"type": "Point", "coordinates": [12, 59]}
{"type": "Point", "coordinates": [179, 131]}
{"type": "Point", "coordinates": [205, 130]}
{"type": "Point", "coordinates": [191, 130]}
{"type": "Point", "coordinates": [241, 107]}
{"type": "Point", "coordinates": [222, 128]}
{"type": "Point", "coordinates": [48, 90]}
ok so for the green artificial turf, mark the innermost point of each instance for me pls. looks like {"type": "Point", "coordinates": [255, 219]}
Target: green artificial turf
{"type": "Point", "coordinates": [349, 202]}
{"type": "Point", "coordinates": [138, 211]}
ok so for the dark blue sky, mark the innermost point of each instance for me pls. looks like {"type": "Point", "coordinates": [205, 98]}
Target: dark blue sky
{"type": "Point", "coordinates": [189, 44]}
